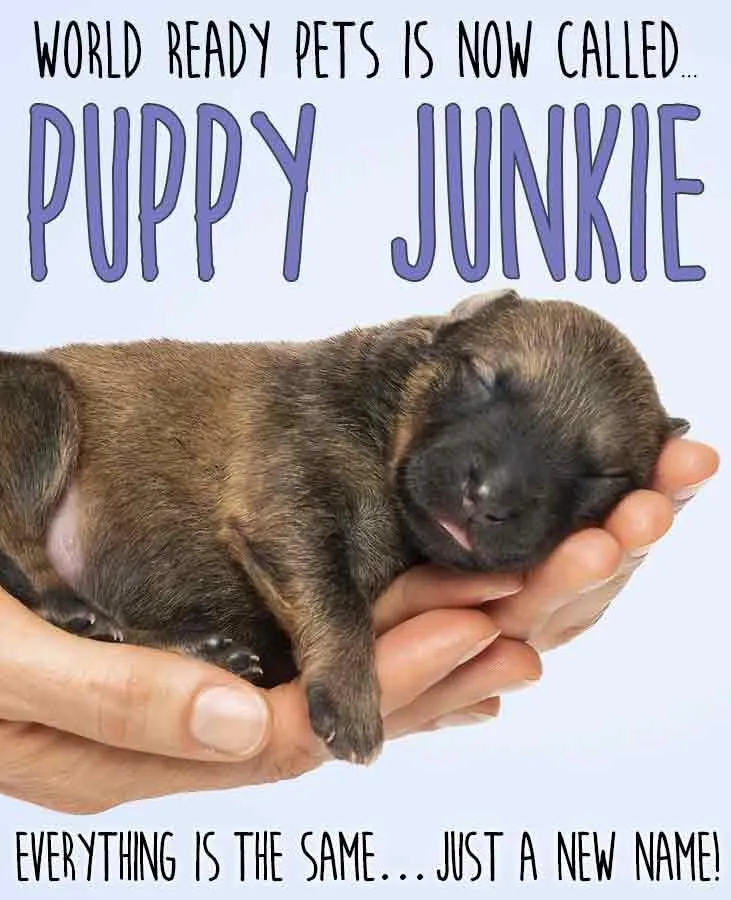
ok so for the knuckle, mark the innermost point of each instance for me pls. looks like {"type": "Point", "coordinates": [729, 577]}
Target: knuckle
{"type": "Point", "coordinates": [292, 761]}
{"type": "Point", "coordinates": [123, 703]}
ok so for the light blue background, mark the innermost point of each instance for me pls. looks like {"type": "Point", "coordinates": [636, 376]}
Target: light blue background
{"type": "Point", "coordinates": [631, 726]}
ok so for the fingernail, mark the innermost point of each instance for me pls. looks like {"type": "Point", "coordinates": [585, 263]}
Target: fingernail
{"type": "Point", "coordinates": [230, 720]}
{"type": "Point", "coordinates": [640, 552]}
{"type": "Point", "coordinates": [513, 688]}
{"type": "Point", "coordinates": [632, 560]}
{"type": "Point", "coordinates": [477, 649]}
{"type": "Point", "coordinates": [457, 720]}
{"type": "Point", "coordinates": [687, 493]}
{"type": "Point", "coordinates": [598, 584]}
{"type": "Point", "coordinates": [518, 686]}
{"type": "Point", "coordinates": [506, 588]}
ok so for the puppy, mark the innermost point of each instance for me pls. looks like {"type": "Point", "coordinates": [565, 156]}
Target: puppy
{"type": "Point", "coordinates": [248, 503]}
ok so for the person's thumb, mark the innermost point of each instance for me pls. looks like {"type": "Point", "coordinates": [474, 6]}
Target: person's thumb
{"type": "Point", "coordinates": [132, 697]}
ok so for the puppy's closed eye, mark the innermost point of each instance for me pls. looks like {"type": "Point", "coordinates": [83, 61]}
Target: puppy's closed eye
{"type": "Point", "coordinates": [486, 381]}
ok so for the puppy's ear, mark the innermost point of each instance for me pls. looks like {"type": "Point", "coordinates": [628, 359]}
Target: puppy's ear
{"type": "Point", "coordinates": [677, 427]}
{"type": "Point", "coordinates": [477, 303]}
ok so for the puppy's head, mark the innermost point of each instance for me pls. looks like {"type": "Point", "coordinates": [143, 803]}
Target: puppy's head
{"type": "Point", "coordinates": [525, 421]}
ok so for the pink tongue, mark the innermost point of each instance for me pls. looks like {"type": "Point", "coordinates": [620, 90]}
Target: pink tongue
{"type": "Point", "coordinates": [458, 533]}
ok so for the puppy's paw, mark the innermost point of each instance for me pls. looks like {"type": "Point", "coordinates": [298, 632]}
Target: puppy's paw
{"type": "Point", "coordinates": [229, 654]}
{"type": "Point", "coordinates": [75, 616]}
{"type": "Point", "coordinates": [347, 719]}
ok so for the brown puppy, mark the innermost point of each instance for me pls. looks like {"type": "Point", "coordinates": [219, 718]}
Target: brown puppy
{"type": "Point", "coordinates": [248, 503]}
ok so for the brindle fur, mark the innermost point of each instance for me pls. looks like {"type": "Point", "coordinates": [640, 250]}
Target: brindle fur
{"type": "Point", "coordinates": [241, 502]}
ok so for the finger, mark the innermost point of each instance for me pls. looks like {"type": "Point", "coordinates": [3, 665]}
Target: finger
{"type": "Point", "coordinates": [429, 587]}
{"type": "Point", "coordinates": [640, 520]}
{"type": "Point", "coordinates": [637, 523]}
{"type": "Point", "coordinates": [476, 714]}
{"type": "Point", "coordinates": [422, 651]}
{"type": "Point", "coordinates": [157, 702]}
{"type": "Point", "coordinates": [68, 773]}
{"type": "Point", "coordinates": [505, 665]}
{"type": "Point", "coordinates": [410, 658]}
{"type": "Point", "coordinates": [572, 620]}
{"type": "Point", "coordinates": [130, 697]}
{"type": "Point", "coordinates": [582, 561]}
{"type": "Point", "coordinates": [685, 466]}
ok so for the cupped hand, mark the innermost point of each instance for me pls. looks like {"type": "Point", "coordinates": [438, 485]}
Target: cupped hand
{"type": "Point", "coordinates": [573, 589]}
{"type": "Point", "coordinates": [562, 597]}
{"type": "Point", "coordinates": [86, 726]}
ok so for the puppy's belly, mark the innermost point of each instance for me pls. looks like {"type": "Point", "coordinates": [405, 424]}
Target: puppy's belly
{"type": "Point", "coordinates": [63, 541]}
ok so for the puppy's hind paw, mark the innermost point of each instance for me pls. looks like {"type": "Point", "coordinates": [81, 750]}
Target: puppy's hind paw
{"type": "Point", "coordinates": [229, 654]}
{"type": "Point", "coordinates": [74, 615]}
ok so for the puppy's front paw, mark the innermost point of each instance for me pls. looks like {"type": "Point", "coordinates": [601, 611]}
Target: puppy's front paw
{"type": "Point", "coordinates": [347, 719]}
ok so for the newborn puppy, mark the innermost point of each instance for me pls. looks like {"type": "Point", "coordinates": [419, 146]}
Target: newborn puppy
{"type": "Point", "coordinates": [248, 503]}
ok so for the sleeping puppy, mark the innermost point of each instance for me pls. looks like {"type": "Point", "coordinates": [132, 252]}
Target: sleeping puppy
{"type": "Point", "coordinates": [248, 503]}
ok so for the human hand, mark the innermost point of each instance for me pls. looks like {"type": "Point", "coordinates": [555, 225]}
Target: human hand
{"type": "Point", "coordinates": [565, 595]}
{"type": "Point", "coordinates": [573, 589]}
{"type": "Point", "coordinates": [85, 726]}
{"type": "Point", "coordinates": [88, 726]}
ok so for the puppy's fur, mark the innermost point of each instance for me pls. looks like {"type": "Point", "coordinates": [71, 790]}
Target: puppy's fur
{"type": "Point", "coordinates": [248, 503]}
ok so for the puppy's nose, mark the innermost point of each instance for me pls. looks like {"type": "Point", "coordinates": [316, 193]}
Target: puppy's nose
{"type": "Point", "coordinates": [495, 496]}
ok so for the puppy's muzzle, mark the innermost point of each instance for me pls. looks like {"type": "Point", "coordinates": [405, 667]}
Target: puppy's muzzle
{"type": "Point", "coordinates": [494, 495]}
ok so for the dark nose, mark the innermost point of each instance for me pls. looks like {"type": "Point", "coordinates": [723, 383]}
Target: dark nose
{"type": "Point", "coordinates": [495, 495]}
